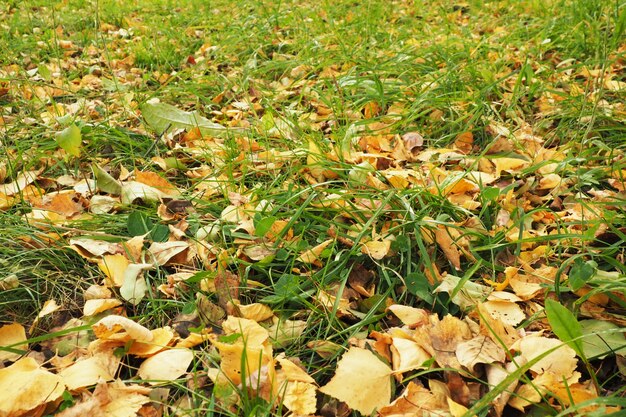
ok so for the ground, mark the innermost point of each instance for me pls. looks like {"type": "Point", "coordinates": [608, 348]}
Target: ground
{"type": "Point", "coordinates": [312, 208]}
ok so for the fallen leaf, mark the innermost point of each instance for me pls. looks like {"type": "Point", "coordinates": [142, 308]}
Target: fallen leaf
{"type": "Point", "coordinates": [25, 385]}
{"type": "Point", "coordinates": [376, 249]}
{"type": "Point", "coordinates": [13, 335]}
{"type": "Point", "coordinates": [312, 256]}
{"type": "Point", "coordinates": [255, 311]}
{"type": "Point", "coordinates": [479, 349]}
{"type": "Point", "coordinates": [109, 326]}
{"type": "Point", "coordinates": [134, 287]}
{"type": "Point", "coordinates": [114, 267]}
{"type": "Point", "coordinates": [560, 361]}
{"type": "Point", "coordinates": [90, 371]}
{"type": "Point", "coordinates": [361, 380]}
{"type": "Point", "coordinates": [93, 307]}
{"type": "Point", "coordinates": [410, 316]}
{"type": "Point", "coordinates": [168, 365]}
{"type": "Point", "coordinates": [161, 338]}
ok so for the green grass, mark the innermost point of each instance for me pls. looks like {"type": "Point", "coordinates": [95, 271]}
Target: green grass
{"type": "Point", "coordinates": [445, 68]}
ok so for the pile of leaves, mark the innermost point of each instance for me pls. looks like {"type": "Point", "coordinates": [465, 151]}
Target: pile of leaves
{"type": "Point", "coordinates": [305, 244]}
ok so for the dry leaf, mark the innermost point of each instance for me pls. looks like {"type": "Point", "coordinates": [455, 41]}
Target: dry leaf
{"type": "Point", "coordinates": [407, 355]}
{"type": "Point", "coordinates": [164, 252]}
{"type": "Point", "coordinates": [25, 385]}
{"type": "Point", "coordinates": [480, 349]}
{"type": "Point", "coordinates": [312, 256]}
{"type": "Point", "coordinates": [12, 334]}
{"type": "Point", "coordinates": [255, 311]}
{"type": "Point", "coordinates": [376, 249]}
{"type": "Point", "coordinates": [114, 267]}
{"type": "Point", "coordinates": [410, 316]}
{"type": "Point", "coordinates": [561, 361]}
{"type": "Point", "coordinates": [416, 401]}
{"type": "Point", "coordinates": [508, 312]}
{"type": "Point", "coordinates": [93, 307]}
{"type": "Point", "coordinates": [109, 326]}
{"type": "Point", "coordinates": [166, 366]}
{"type": "Point", "coordinates": [89, 371]}
{"type": "Point", "coordinates": [361, 380]}
{"type": "Point", "coordinates": [161, 338]}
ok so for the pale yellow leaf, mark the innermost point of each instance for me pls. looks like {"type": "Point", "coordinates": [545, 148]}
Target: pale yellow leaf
{"type": "Point", "coordinates": [12, 334]}
{"type": "Point", "coordinates": [407, 355]}
{"type": "Point", "coordinates": [312, 255]}
{"type": "Point", "coordinates": [561, 361]}
{"type": "Point", "coordinates": [253, 334]}
{"type": "Point", "coordinates": [480, 349]}
{"type": "Point", "coordinates": [110, 325]}
{"type": "Point", "coordinates": [410, 316]}
{"type": "Point", "coordinates": [255, 311]}
{"type": "Point", "coordinates": [24, 386]}
{"type": "Point", "coordinates": [161, 338]}
{"type": "Point", "coordinates": [163, 252]}
{"type": "Point", "coordinates": [508, 312]}
{"type": "Point", "coordinates": [299, 398]}
{"type": "Point", "coordinates": [166, 366]}
{"type": "Point", "coordinates": [90, 371]}
{"type": "Point", "coordinates": [376, 249]}
{"type": "Point", "coordinates": [92, 307]}
{"type": "Point", "coordinates": [361, 380]}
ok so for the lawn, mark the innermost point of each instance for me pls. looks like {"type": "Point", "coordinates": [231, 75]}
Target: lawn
{"type": "Point", "coordinates": [264, 208]}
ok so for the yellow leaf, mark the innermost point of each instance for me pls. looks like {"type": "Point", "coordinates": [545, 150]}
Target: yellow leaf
{"type": "Point", "coordinates": [560, 361]}
{"type": "Point", "coordinates": [312, 255]}
{"type": "Point", "coordinates": [253, 334]}
{"type": "Point", "coordinates": [107, 328]}
{"type": "Point", "coordinates": [376, 249]}
{"type": "Point", "coordinates": [12, 334]}
{"type": "Point", "coordinates": [299, 398]}
{"type": "Point", "coordinates": [161, 338]}
{"type": "Point", "coordinates": [92, 307]}
{"type": "Point", "coordinates": [362, 381]}
{"type": "Point", "coordinates": [166, 366]}
{"type": "Point", "coordinates": [507, 312]}
{"type": "Point", "coordinates": [24, 386]}
{"type": "Point", "coordinates": [114, 267]}
{"type": "Point", "coordinates": [89, 371]}
{"type": "Point", "coordinates": [407, 355]}
{"type": "Point", "coordinates": [163, 252]}
{"type": "Point", "coordinates": [255, 311]}
{"type": "Point", "coordinates": [410, 316]}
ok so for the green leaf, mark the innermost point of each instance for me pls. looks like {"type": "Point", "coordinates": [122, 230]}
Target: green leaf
{"type": "Point", "coordinates": [602, 338]}
{"type": "Point", "coordinates": [160, 233]}
{"type": "Point", "coordinates": [263, 226]}
{"type": "Point", "coordinates": [69, 139]}
{"type": "Point", "coordinates": [105, 182]}
{"type": "Point", "coordinates": [490, 193]}
{"type": "Point", "coordinates": [581, 273]}
{"type": "Point", "coordinates": [418, 285]}
{"type": "Point", "coordinates": [139, 224]}
{"type": "Point", "coordinates": [565, 326]}
{"type": "Point", "coordinates": [162, 116]}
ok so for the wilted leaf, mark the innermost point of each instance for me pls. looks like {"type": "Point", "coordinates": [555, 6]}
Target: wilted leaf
{"type": "Point", "coordinates": [114, 267]}
{"type": "Point", "coordinates": [164, 252]}
{"type": "Point", "coordinates": [168, 365]}
{"type": "Point", "coordinates": [89, 371]}
{"type": "Point", "coordinates": [161, 116]}
{"type": "Point", "coordinates": [480, 349]}
{"type": "Point", "coordinates": [161, 338]}
{"type": "Point", "coordinates": [361, 380]}
{"type": "Point", "coordinates": [12, 334]}
{"type": "Point", "coordinates": [376, 249]}
{"type": "Point", "coordinates": [313, 255]}
{"type": "Point", "coordinates": [110, 325]}
{"type": "Point", "coordinates": [96, 306]}
{"type": "Point", "coordinates": [25, 385]}
{"type": "Point", "coordinates": [255, 311]}
{"type": "Point", "coordinates": [134, 287]}
{"type": "Point", "coordinates": [410, 316]}
{"type": "Point", "coordinates": [416, 401]}
{"type": "Point", "coordinates": [106, 182]}
{"type": "Point", "coordinates": [560, 361]}
{"type": "Point", "coordinates": [407, 355]}
{"type": "Point", "coordinates": [22, 180]}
